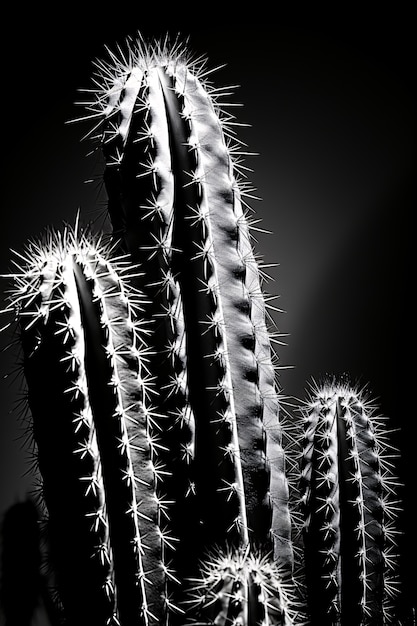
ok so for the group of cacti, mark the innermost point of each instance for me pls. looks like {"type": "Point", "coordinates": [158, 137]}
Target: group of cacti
{"type": "Point", "coordinates": [173, 491]}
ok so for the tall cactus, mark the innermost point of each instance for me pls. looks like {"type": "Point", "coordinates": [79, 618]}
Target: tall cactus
{"type": "Point", "coordinates": [175, 201]}
{"type": "Point", "coordinates": [348, 500]}
{"type": "Point", "coordinates": [172, 180]}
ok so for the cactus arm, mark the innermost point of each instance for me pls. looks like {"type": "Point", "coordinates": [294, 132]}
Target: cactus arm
{"type": "Point", "coordinates": [102, 453]}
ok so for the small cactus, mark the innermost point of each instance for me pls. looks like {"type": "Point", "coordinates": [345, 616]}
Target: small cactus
{"type": "Point", "coordinates": [243, 588]}
{"type": "Point", "coordinates": [347, 491]}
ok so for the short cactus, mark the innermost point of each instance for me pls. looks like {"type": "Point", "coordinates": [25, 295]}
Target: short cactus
{"type": "Point", "coordinates": [152, 388]}
{"type": "Point", "coordinates": [347, 493]}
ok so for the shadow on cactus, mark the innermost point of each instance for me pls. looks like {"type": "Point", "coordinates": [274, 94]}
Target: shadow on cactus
{"type": "Point", "coordinates": [151, 378]}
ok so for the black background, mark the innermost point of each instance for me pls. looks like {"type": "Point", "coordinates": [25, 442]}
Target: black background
{"type": "Point", "coordinates": [330, 99]}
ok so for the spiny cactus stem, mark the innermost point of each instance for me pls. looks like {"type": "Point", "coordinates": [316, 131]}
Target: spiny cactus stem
{"type": "Point", "coordinates": [104, 401]}
{"type": "Point", "coordinates": [66, 448]}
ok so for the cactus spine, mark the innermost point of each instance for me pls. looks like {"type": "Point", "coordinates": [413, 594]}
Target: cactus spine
{"type": "Point", "coordinates": [347, 489]}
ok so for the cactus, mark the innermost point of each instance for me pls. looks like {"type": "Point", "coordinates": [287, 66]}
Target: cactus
{"type": "Point", "coordinates": [174, 199]}
{"type": "Point", "coordinates": [159, 471]}
{"type": "Point", "coordinates": [155, 410]}
{"type": "Point", "coordinates": [83, 361]}
{"type": "Point", "coordinates": [347, 491]}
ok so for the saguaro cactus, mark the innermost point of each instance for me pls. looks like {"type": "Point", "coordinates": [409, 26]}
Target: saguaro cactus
{"type": "Point", "coordinates": [347, 491]}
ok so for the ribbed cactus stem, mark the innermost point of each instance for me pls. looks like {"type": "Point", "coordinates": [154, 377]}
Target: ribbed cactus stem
{"type": "Point", "coordinates": [346, 490]}
{"type": "Point", "coordinates": [95, 430]}
{"type": "Point", "coordinates": [166, 143]}
{"type": "Point", "coordinates": [64, 434]}
{"type": "Point", "coordinates": [20, 564]}
{"type": "Point", "coordinates": [239, 588]}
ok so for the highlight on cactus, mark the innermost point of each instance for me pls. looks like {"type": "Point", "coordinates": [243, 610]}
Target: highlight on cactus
{"type": "Point", "coordinates": [157, 419]}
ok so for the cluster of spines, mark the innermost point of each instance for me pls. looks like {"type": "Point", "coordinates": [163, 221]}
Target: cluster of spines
{"type": "Point", "coordinates": [348, 492]}
{"type": "Point", "coordinates": [237, 588]}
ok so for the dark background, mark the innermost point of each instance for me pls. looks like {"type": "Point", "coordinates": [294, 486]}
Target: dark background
{"type": "Point", "coordinates": [330, 97]}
